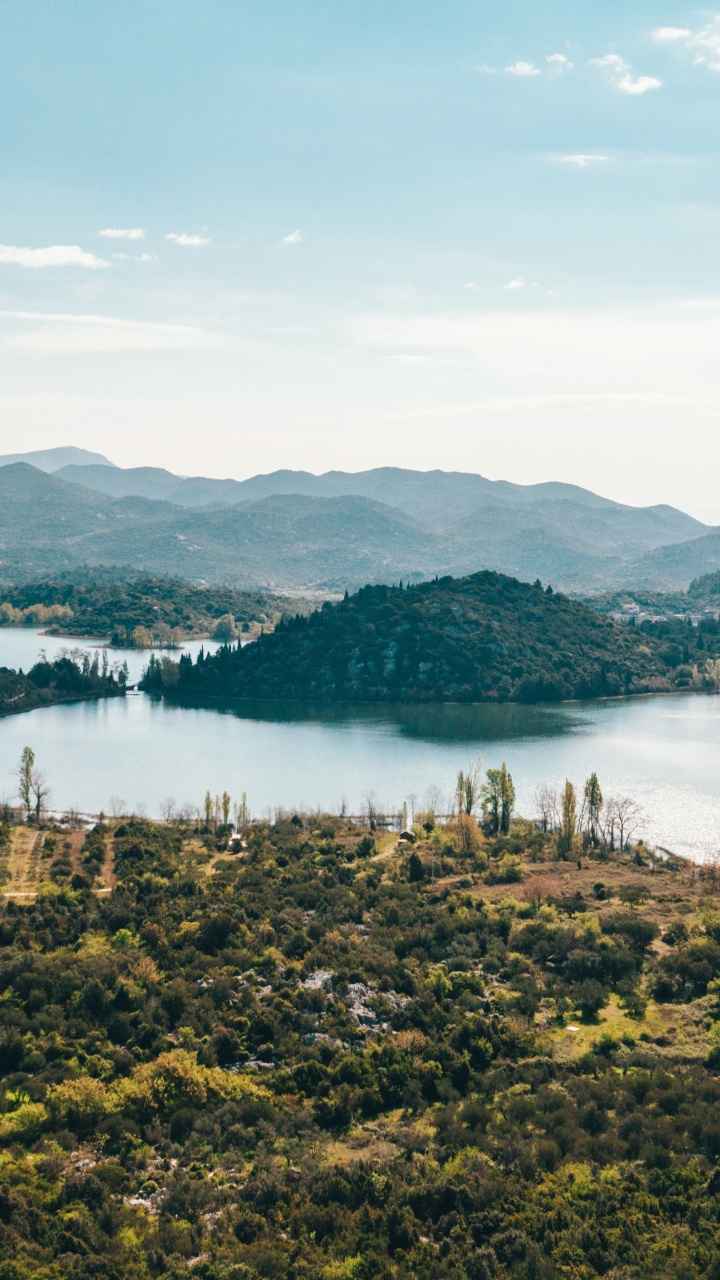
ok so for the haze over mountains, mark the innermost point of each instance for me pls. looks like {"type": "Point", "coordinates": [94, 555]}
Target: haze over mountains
{"type": "Point", "coordinates": [294, 530]}
{"type": "Point", "coordinates": [52, 459]}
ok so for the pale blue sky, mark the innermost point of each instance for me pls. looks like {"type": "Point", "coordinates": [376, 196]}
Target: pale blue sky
{"type": "Point", "coordinates": [468, 235]}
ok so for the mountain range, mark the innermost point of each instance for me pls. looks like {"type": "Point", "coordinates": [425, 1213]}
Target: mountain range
{"type": "Point", "coordinates": [292, 530]}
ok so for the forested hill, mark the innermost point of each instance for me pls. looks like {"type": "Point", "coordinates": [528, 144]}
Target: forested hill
{"type": "Point", "coordinates": [481, 638]}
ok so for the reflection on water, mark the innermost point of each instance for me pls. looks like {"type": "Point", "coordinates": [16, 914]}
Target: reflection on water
{"type": "Point", "coordinates": [664, 751]}
{"type": "Point", "coordinates": [448, 722]}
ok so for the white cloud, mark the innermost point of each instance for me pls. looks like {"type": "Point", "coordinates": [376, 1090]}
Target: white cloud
{"type": "Point", "coordinates": [665, 35]}
{"type": "Point", "coordinates": [294, 238]}
{"type": "Point", "coordinates": [54, 255]}
{"type": "Point", "coordinates": [638, 84]}
{"type": "Point", "coordinates": [620, 75]}
{"type": "Point", "coordinates": [517, 283]}
{"type": "Point", "coordinates": [704, 44]}
{"type": "Point", "coordinates": [184, 239]}
{"type": "Point", "coordinates": [523, 69]}
{"type": "Point", "coordinates": [558, 62]}
{"type": "Point", "coordinates": [62, 332]}
{"type": "Point", "coordinates": [582, 161]}
{"type": "Point", "coordinates": [122, 233]}
{"type": "Point", "coordinates": [146, 257]}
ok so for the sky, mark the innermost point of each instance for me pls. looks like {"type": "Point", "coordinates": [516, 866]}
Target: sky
{"type": "Point", "coordinates": [237, 235]}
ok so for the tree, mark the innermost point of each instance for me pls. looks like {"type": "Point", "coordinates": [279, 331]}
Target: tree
{"type": "Point", "coordinates": [225, 628]}
{"type": "Point", "coordinates": [627, 817]}
{"type": "Point", "coordinates": [712, 671]}
{"type": "Point", "coordinates": [589, 997]}
{"type": "Point", "coordinates": [27, 763]}
{"type": "Point", "coordinates": [568, 820]}
{"type": "Point", "coordinates": [546, 799]}
{"type": "Point", "coordinates": [225, 808]}
{"type": "Point", "coordinates": [467, 790]}
{"type": "Point", "coordinates": [208, 806]}
{"type": "Point", "coordinates": [40, 791]}
{"type": "Point", "coordinates": [498, 799]}
{"type": "Point", "coordinates": [508, 799]}
{"type": "Point", "coordinates": [167, 809]}
{"type": "Point", "coordinates": [142, 638]}
{"type": "Point", "coordinates": [593, 802]}
{"type": "Point", "coordinates": [241, 813]}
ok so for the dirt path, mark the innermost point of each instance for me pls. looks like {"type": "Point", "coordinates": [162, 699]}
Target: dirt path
{"type": "Point", "coordinates": [106, 878]}
{"type": "Point", "coordinates": [24, 862]}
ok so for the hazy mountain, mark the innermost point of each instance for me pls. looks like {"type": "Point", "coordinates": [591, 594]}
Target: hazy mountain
{"type": "Point", "coordinates": [436, 523]}
{"type": "Point", "coordinates": [668, 567]}
{"type": "Point", "coordinates": [427, 496]}
{"type": "Point", "coordinates": [47, 524]}
{"type": "Point", "coordinates": [52, 459]}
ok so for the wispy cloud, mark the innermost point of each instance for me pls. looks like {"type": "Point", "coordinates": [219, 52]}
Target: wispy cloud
{"type": "Point", "coordinates": [294, 238]}
{"type": "Point", "coordinates": [666, 35]}
{"type": "Point", "coordinates": [181, 237]}
{"type": "Point", "coordinates": [582, 160]}
{"type": "Point", "coordinates": [620, 73]}
{"type": "Point", "coordinates": [517, 283]}
{"type": "Point", "coordinates": [703, 44]}
{"type": "Point", "coordinates": [122, 233]}
{"type": "Point", "coordinates": [54, 255]}
{"type": "Point", "coordinates": [62, 332]}
{"type": "Point", "coordinates": [522, 69]}
{"type": "Point", "coordinates": [558, 62]}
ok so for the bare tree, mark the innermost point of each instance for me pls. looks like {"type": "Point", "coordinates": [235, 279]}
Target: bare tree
{"type": "Point", "coordinates": [370, 808]}
{"type": "Point", "coordinates": [41, 792]}
{"type": "Point", "coordinates": [626, 818]}
{"type": "Point", "coordinates": [117, 806]}
{"type": "Point", "coordinates": [168, 808]}
{"type": "Point", "coordinates": [546, 799]}
{"type": "Point", "coordinates": [434, 800]}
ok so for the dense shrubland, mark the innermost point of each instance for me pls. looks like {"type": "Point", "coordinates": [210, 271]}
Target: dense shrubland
{"type": "Point", "coordinates": [335, 1055]}
{"type": "Point", "coordinates": [482, 638]}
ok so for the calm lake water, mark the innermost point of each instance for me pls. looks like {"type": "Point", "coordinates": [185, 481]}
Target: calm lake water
{"type": "Point", "coordinates": [663, 751]}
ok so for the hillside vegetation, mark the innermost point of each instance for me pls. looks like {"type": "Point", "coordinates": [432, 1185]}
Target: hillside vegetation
{"type": "Point", "coordinates": [327, 1056]}
{"type": "Point", "coordinates": [114, 605]}
{"type": "Point", "coordinates": [481, 638]}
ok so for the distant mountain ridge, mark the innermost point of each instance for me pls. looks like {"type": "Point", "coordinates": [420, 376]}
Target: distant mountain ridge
{"type": "Point", "coordinates": [292, 531]}
{"type": "Point", "coordinates": [52, 459]}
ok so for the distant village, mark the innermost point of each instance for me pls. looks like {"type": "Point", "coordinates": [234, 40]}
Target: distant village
{"type": "Point", "coordinates": [631, 612]}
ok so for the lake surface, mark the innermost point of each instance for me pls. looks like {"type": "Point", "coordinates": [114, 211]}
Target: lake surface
{"type": "Point", "coordinates": [663, 751]}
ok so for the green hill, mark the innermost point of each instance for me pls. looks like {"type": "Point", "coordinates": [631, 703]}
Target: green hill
{"type": "Point", "coordinates": [111, 603]}
{"type": "Point", "coordinates": [480, 638]}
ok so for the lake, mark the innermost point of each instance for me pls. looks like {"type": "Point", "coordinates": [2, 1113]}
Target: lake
{"type": "Point", "coordinates": [664, 751]}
